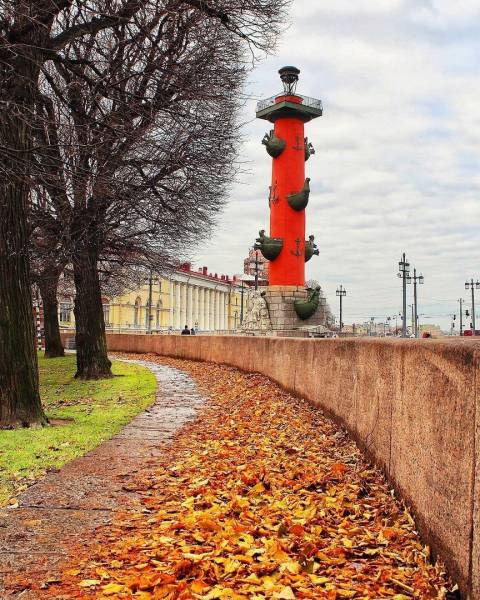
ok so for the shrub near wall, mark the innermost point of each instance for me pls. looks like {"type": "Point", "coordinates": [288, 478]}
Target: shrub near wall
{"type": "Point", "coordinates": [412, 405]}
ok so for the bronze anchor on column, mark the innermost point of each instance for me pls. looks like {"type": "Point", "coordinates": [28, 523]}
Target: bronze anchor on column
{"type": "Point", "coordinates": [272, 195]}
{"type": "Point", "coordinates": [298, 147]}
{"type": "Point", "coordinates": [297, 252]}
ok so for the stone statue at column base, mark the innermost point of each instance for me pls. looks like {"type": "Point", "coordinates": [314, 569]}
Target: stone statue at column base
{"type": "Point", "coordinates": [257, 316]}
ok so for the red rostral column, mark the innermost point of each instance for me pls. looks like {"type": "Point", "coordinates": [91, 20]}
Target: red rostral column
{"type": "Point", "coordinates": [289, 190]}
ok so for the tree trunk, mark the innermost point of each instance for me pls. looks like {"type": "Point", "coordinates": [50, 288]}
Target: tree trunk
{"type": "Point", "coordinates": [91, 342]}
{"type": "Point", "coordinates": [20, 404]}
{"type": "Point", "coordinates": [53, 341]}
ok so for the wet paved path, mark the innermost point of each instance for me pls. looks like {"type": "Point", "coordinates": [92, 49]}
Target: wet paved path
{"type": "Point", "coordinates": [66, 507]}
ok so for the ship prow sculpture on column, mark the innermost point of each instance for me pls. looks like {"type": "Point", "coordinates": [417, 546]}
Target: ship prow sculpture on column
{"type": "Point", "coordinates": [291, 306]}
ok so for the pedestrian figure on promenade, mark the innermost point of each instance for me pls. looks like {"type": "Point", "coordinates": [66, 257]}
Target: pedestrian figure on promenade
{"type": "Point", "coordinates": [186, 330]}
{"type": "Point", "coordinates": [192, 331]}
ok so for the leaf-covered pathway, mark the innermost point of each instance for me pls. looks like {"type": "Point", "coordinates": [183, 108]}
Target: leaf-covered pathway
{"type": "Point", "coordinates": [259, 497]}
{"type": "Point", "coordinates": [58, 516]}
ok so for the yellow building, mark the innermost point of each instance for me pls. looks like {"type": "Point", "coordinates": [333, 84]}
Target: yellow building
{"type": "Point", "coordinates": [207, 302]}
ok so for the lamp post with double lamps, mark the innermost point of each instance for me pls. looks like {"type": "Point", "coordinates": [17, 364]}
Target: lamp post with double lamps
{"type": "Point", "coordinates": [341, 292]}
{"type": "Point", "coordinates": [404, 272]}
{"type": "Point", "coordinates": [471, 285]}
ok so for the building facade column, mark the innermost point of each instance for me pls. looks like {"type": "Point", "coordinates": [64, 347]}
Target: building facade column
{"type": "Point", "coordinates": [205, 309]}
{"type": "Point", "coordinates": [190, 305]}
{"type": "Point", "coordinates": [203, 318]}
{"type": "Point", "coordinates": [225, 311]}
{"type": "Point", "coordinates": [217, 310]}
{"type": "Point", "coordinates": [171, 322]}
{"type": "Point", "coordinates": [184, 305]}
{"type": "Point", "coordinates": [201, 321]}
{"type": "Point", "coordinates": [209, 309]}
{"type": "Point", "coordinates": [213, 312]}
{"type": "Point", "coordinates": [196, 309]}
{"type": "Point", "coordinates": [222, 311]}
{"type": "Point", "coordinates": [178, 307]}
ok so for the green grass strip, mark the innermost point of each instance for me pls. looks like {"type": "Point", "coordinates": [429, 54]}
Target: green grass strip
{"type": "Point", "coordinates": [99, 409]}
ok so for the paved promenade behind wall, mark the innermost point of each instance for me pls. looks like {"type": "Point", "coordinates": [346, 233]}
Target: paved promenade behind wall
{"type": "Point", "coordinates": [412, 405]}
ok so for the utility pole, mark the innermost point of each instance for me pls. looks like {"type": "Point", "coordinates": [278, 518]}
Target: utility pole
{"type": "Point", "coordinates": [415, 328]}
{"type": "Point", "coordinates": [242, 290]}
{"type": "Point", "coordinates": [472, 286]}
{"type": "Point", "coordinates": [404, 271]}
{"type": "Point", "coordinates": [416, 279]}
{"type": "Point", "coordinates": [341, 292]}
{"type": "Point", "coordinates": [460, 300]}
{"type": "Point", "coordinates": [149, 315]}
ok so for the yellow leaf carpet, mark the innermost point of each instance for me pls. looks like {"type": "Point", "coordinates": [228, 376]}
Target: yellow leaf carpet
{"type": "Point", "coordinates": [260, 497]}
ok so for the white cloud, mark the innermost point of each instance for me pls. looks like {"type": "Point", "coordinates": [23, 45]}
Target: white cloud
{"type": "Point", "coordinates": [398, 162]}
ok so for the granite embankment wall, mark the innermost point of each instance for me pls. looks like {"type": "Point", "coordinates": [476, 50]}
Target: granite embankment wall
{"type": "Point", "coordinates": [413, 406]}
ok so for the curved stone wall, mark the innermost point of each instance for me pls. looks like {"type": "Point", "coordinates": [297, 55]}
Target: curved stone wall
{"type": "Point", "coordinates": [413, 406]}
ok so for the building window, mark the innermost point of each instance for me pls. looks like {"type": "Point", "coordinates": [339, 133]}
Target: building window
{"type": "Point", "coordinates": [65, 312]}
{"type": "Point", "coordinates": [136, 312]}
{"type": "Point", "coordinates": [106, 314]}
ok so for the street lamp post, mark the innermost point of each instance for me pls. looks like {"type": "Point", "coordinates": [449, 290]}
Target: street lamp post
{"type": "Point", "coordinates": [404, 271]}
{"type": "Point", "coordinates": [470, 285]}
{"type": "Point", "coordinates": [341, 292]}
{"type": "Point", "coordinates": [242, 290]}
{"type": "Point", "coordinates": [396, 323]}
{"type": "Point", "coordinates": [416, 279]}
{"type": "Point", "coordinates": [460, 300]}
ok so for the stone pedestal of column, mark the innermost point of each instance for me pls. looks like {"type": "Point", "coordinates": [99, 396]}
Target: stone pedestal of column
{"type": "Point", "coordinates": [285, 322]}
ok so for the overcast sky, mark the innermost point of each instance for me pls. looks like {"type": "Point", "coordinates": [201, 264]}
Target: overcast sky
{"type": "Point", "coordinates": [397, 163]}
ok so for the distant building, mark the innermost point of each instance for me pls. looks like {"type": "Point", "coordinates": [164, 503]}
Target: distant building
{"type": "Point", "coordinates": [356, 329]}
{"type": "Point", "coordinates": [199, 299]}
{"type": "Point", "coordinates": [255, 260]}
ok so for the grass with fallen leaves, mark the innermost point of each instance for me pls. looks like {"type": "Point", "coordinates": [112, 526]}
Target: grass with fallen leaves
{"type": "Point", "coordinates": [84, 414]}
{"type": "Point", "coordinates": [260, 497]}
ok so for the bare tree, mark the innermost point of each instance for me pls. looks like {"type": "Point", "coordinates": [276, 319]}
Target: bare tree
{"type": "Point", "coordinates": [37, 37]}
{"type": "Point", "coordinates": [145, 160]}
{"type": "Point", "coordinates": [28, 40]}
{"type": "Point", "coordinates": [68, 41]}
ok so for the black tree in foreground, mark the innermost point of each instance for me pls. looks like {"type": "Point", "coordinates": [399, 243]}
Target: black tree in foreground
{"type": "Point", "coordinates": [42, 38]}
{"type": "Point", "coordinates": [141, 166]}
